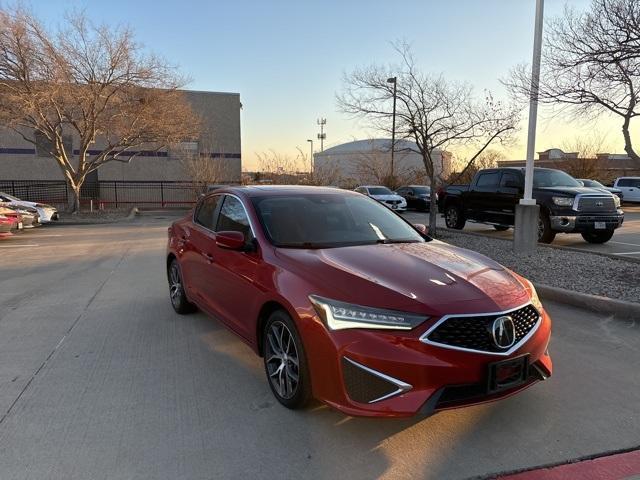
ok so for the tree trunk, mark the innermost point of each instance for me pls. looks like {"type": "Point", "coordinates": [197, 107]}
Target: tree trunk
{"type": "Point", "coordinates": [74, 197]}
{"type": "Point", "coordinates": [628, 147]}
{"type": "Point", "coordinates": [433, 208]}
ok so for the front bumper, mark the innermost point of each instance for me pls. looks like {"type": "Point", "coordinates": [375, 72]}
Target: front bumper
{"type": "Point", "coordinates": [382, 374]}
{"type": "Point", "coordinates": [585, 222]}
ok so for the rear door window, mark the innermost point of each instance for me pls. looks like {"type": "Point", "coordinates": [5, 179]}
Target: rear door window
{"type": "Point", "coordinates": [205, 215]}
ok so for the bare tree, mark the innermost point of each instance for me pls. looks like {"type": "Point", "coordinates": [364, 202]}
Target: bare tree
{"type": "Point", "coordinates": [276, 167]}
{"type": "Point", "coordinates": [91, 84]}
{"type": "Point", "coordinates": [372, 167]}
{"type": "Point", "coordinates": [432, 112]}
{"type": "Point", "coordinates": [465, 171]}
{"type": "Point", "coordinates": [591, 64]}
{"type": "Point", "coordinates": [201, 166]}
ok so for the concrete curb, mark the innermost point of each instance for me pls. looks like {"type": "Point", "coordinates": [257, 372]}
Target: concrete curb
{"type": "Point", "coordinates": [557, 247]}
{"type": "Point", "coordinates": [595, 303]}
{"type": "Point", "coordinates": [132, 213]}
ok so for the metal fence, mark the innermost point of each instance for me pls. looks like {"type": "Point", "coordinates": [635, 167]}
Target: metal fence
{"type": "Point", "coordinates": [107, 194]}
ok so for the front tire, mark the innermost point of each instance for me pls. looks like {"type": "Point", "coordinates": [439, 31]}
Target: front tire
{"type": "Point", "coordinates": [178, 298]}
{"type": "Point", "coordinates": [453, 217]}
{"type": "Point", "coordinates": [285, 361]}
{"type": "Point", "coordinates": [598, 237]}
{"type": "Point", "coordinates": [545, 234]}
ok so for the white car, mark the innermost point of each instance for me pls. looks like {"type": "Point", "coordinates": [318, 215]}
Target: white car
{"type": "Point", "coordinates": [47, 212]}
{"type": "Point", "coordinates": [630, 187]}
{"type": "Point", "coordinates": [384, 196]}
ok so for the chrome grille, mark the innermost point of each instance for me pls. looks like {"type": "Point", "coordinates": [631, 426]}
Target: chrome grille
{"type": "Point", "coordinates": [474, 332]}
{"type": "Point", "coordinates": [596, 204]}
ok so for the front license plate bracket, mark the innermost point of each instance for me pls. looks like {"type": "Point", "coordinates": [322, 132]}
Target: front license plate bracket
{"type": "Point", "coordinates": [507, 374]}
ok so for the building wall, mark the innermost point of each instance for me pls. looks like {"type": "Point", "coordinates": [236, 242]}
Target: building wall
{"type": "Point", "coordinates": [357, 163]}
{"type": "Point", "coordinates": [220, 139]}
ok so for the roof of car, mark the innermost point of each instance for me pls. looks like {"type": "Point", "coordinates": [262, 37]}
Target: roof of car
{"type": "Point", "coordinates": [259, 190]}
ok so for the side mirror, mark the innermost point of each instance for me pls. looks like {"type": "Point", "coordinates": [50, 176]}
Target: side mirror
{"type": "Point", "coordinates": [423, 229]}
{"type": "Point", "coordinates": [230, 240]}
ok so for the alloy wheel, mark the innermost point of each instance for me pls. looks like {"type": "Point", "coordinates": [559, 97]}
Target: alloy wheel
{"type": "Point", "coordinates": [452, 217]}
{"type": "Point", "coordinates": [175, 285]}
{"type": "Point", "coordinates": [282, 360]}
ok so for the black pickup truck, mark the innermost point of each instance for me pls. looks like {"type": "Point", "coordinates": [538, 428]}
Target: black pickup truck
{"type": "Point", "coordinates": [565, 205]}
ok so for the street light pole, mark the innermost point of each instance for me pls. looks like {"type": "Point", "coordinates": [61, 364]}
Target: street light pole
{"type": "Point", "coordinates": [311, 157]}
{"type": "Point", "coordinates": [527, 219]}
{"type": "Point", "coordinates": [393, 80]}
{"type": "Point", "coordinates": [533, 105]}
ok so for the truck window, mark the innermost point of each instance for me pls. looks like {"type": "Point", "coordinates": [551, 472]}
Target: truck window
{"type": "Point", "coordinates": [509, 178]}
{"type": "Point", "coordinates": [488, 180]}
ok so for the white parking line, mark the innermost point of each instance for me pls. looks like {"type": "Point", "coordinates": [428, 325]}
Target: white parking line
{"type": "Point", "coordinates": [42, 236]}
{"type": "Point", "coordinates": [627, 253]}
{"type": "Point", "coordinates": [624, 243]}
{"type": "Point", "coordinates": [20, 246]}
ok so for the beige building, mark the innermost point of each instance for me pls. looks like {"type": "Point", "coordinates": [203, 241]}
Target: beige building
{"type": "Point", "coordinates": [219, 144]}
{"type": "Point", "coordinates": [369, 162]}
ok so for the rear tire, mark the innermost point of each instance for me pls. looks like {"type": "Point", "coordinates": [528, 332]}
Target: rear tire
{"type": "Point", "coordinates": [545, 234]}
{"type": "Point", "coordinates": [598, 237]}
{"type": "Point", "coordinates": [285, 361]}
{"type": "Point", "coordinates": [500, 228]}
{"type": "Point", "coordinates": [454, 218]}
{"type": "Point", "coordinates": [178, 298]}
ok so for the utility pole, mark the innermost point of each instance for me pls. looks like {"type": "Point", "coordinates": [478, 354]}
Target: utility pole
{"type": "Point", "coordinates": [393, 80]}
{"type": "Point", "coordinates": [527, 212]}
{"type": "Point", "coordinates": [321, 136]}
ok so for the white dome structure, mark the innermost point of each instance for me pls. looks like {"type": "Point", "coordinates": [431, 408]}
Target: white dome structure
{"type": "Point", "coordinates": [369, 162]}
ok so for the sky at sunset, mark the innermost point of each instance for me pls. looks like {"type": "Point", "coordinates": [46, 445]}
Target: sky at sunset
{"type": "Point", "coordinates": [287, 58]}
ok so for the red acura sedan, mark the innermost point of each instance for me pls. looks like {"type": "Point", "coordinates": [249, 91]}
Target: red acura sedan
{"type": "Point", "coordinates": [350, 304]}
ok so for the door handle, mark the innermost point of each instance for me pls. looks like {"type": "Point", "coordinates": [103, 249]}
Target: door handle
{"type": "Point", "coordinates": [208, 257]}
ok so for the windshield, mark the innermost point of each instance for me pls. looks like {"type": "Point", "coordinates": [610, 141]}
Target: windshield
{"type": "Point", "coordinates": [553, 178]}
{"type": "Point", "coordinates": [592, 183]}
{"type": "Point", "coordinates": [330, 220]}
{"type": "Point", "coordinates": [379, 191]}
{"type": "Point", "coordinates": [422, 190]}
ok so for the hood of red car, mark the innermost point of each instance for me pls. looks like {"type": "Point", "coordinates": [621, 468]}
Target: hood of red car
{"type": "Point", "coordinates": [432, 276]}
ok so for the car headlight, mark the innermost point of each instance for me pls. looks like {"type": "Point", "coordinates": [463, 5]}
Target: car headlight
{"type": "Point", "coordinates": [562, 201]}
{"type": "Point", "coordinates": [341, 315]}
{"type": "Point", "coordinates": [535, 300]}
{"type": "Point", "coordinates": [616, 201]}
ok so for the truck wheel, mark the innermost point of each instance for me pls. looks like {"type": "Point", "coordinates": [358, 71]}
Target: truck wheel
{"type": "Point", "coordinates": [453, 217]}
{"type": "Point", "coordinates": [545, 234]}
{"type": "Point", "coordinates": [598, 237]}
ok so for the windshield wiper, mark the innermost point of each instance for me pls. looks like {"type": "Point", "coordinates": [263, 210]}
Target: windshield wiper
{"type": "Point", "coordinates": [386, 241]}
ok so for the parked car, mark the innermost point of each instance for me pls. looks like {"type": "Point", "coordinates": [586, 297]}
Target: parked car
{"type": "Point", "coordinates": [384, 196]}
{"type": "Point", "coordinates": [416, 196]}
{"type": "Point", "coordinates": [598, 186]}
{"type": "Point", "coordinates": [6, 225]}
{"type": "Point", "coordinates": [46, 212]}
{"type": "Point", "coordinates": [351, 304]}
{"type": "Point", "coordinates": [565, 205]}
{"type": "Point", "coordinates": [630, 187]}
{"type": "Point", "coordinates": [14, 217]}
{"type": "Point", "coordinates": [30, 217]}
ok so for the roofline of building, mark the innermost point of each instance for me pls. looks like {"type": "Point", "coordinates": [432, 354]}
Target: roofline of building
{"type": "Point", "coordinates": [207, 91]}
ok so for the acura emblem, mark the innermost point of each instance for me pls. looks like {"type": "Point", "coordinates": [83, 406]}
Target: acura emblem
{"type": "Point", "coordinates": [504, 332]}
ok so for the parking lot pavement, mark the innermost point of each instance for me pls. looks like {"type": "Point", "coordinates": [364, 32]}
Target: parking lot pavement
{"type": "Point", "coordinates": [625, 242]}
{"type": "Point", "coordinates": [99, 378]}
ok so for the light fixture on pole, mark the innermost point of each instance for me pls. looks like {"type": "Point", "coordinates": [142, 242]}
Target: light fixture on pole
{"type": "Point", "coordinates": [393, 80]}
{"type": "Point", "coordinates": [311, 156]}
{"type": "Point", "coordinates": [527, 212]}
